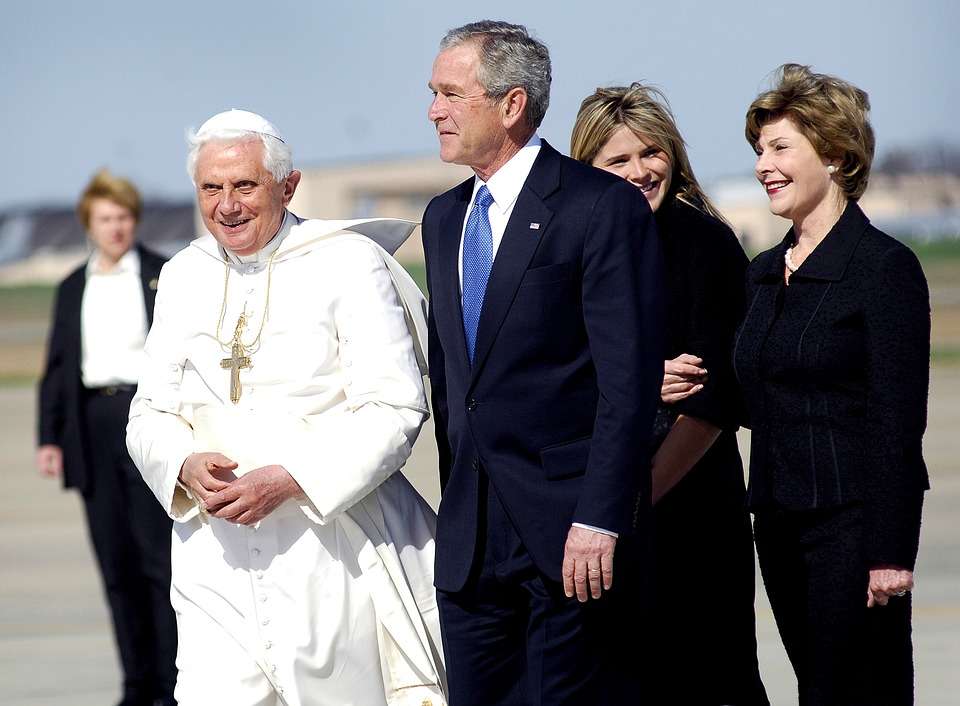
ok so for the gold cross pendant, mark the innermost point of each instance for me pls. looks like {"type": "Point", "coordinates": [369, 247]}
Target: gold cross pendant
{"type": "Point", "coordinates": [235, 363]}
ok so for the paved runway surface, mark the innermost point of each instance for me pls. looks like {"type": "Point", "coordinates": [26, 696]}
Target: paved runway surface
{"type": "Point", "coordinates": [56, 648]}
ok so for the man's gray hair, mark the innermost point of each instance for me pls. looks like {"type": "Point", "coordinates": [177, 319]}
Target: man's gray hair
{"type": "Point", "coordinates": [509, 58]}
{"type": "Point", "coordinates": [277, 155]}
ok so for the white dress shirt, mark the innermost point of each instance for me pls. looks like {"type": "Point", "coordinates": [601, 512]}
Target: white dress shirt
{"type": "Point", "coordinates": [113, 323]}
{"type": "Point", "coordinates": [505, 186]}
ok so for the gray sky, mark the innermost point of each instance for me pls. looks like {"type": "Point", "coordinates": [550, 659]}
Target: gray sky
{"type": "Point", "coordinates": [116, 83]}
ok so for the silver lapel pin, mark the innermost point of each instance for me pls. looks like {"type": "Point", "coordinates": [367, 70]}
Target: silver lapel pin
{"type": "Point", "coordinates": [534, 226]}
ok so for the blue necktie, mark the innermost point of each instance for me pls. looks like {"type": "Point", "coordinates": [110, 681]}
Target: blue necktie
{"type": "Point", "coordinates": [477, 262]}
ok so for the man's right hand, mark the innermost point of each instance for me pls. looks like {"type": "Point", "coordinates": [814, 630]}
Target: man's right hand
{"type": "Point", "coordinates": [50, 461]}
{"type": "Point", "coordinates": [206, 473]}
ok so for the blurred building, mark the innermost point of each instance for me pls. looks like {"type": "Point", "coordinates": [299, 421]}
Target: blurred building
{"type": "Point", "coordinates": [395, 188]}
{"type": "Point", "coordinates": [42, 245]}
{"type": "Point", "coordinates": [919, 206]}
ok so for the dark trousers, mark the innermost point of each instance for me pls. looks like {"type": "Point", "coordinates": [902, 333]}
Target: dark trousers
{"type": "Point", "coordinates": [512, 638]}
{"type": "Point", "coordinates": [130, 533]}
{"type": "Point", "coordinates": [815, 573]}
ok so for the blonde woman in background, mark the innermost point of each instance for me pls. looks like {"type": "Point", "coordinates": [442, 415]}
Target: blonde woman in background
{"type": "Point", "coordinates": [101, 316]}
{"type": "Point", "coordinates": [704, 642]}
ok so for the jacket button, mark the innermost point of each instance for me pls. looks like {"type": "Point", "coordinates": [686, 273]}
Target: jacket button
{"type": "Point", "coordinates": [476, 464]}
{"type": "Point", "coordinates": [471, 405]}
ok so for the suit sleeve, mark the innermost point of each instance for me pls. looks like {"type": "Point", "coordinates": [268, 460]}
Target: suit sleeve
{"type": "Point", "coordinates": [52, 385]}
{"type": "Point", "coordinates": [898, 374]}
{"type": "Point", "coordinates": [623, 309]}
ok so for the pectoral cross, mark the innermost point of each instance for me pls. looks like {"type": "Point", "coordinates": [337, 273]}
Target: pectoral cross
{"type": "Point", "coordinates": [237, 361]}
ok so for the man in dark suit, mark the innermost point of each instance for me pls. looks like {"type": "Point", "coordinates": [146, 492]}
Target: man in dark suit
{"type": "Point", "coordinates": [545, 366]}
{"type": "Point", "coordinates": [101, 316]}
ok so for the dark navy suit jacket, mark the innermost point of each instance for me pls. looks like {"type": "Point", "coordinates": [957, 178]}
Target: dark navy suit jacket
{"type": "Point", "coordinates": [61, 419]}
{"type": "Point", "coordinates": [558, 405]}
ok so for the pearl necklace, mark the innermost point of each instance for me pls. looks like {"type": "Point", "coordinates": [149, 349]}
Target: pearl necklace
{"type": "Point", "coordinates": [788, 260]}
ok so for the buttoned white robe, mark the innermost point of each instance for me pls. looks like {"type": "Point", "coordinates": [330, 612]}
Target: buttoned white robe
{"type": "Point", "coordinates": [329, 599]}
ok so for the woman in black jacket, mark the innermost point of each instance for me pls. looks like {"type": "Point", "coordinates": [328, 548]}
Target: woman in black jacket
{"type": "Point", "coordinates": [102, 312]}
{"type": "Point", "coordinates": [703, 642]}
{"type": "Point", "coordinates": [833, 360]}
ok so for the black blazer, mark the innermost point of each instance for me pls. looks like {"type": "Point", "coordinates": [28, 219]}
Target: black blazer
{"type": "Point", "coordinates": [61, 420]}
{"type": "Point", "coordinates": [834, 370]}
{"type": "Point", "coordinates": [559, 403]}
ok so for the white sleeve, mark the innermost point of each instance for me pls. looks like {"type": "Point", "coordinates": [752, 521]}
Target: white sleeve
{"type": "Point", "coordinates": [596, 529]}
{"type": "Point", "coordinates": [348, 451]}
{"type": "Point", "coordinates": [159, 439]}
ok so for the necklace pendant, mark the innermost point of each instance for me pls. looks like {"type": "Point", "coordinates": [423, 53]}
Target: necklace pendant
{"type": "Point", "coordinates": [237, 361]}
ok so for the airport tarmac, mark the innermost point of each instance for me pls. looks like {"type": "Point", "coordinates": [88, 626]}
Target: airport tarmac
{"type": "Point", "coordinates": [56, 648]}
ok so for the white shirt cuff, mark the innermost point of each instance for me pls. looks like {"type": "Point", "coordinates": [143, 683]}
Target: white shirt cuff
{"type": "Point", "coordinates": [595, 529]}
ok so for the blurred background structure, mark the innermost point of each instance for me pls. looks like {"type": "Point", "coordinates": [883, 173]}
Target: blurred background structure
{"type": "Point", "coordinates": [117, 84]}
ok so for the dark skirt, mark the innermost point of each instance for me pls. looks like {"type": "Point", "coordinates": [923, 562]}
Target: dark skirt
{"type": "Point", "coordinates": [704, 644]}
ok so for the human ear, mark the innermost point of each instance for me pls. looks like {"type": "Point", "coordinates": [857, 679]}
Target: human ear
{"type": "Point", "coordinates": [513, 107]}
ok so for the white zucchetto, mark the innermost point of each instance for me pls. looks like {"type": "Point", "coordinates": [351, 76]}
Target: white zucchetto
{"type": "Point", "coordinates": [239, 120]}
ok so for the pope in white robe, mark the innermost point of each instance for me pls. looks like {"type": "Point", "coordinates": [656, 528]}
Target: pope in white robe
{"type": "Point", "coordinates": [321, 592]}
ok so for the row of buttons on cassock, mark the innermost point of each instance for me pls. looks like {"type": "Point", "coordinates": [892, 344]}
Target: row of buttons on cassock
{"type": "Point", "coordinates": [264, 619]}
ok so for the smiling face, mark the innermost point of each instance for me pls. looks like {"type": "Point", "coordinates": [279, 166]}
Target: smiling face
{"type": "Point", "coordinates": [468, 122]}
{"type": "Point", "coordinates": [241, 204]}
{"type": "Point", "coordinates": [794, 176]}
{"type": "Point", "coordinates": [111, 229]}
{"type": "Point", "coordinates": [639, 161]}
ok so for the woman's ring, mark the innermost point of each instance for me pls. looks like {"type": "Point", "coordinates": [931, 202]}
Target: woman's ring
{"type": "Point", "coordinates": [900, 594]}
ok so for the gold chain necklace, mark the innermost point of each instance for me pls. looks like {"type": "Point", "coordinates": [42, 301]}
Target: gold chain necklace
{"type": "Point", "coordinates": [240, 352]}
{"type": "Point", "coordinates": [243, 317]}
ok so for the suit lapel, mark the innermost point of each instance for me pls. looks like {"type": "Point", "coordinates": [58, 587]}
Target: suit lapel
{"type": "Point", "coordinates": [75, 316]}
{"type": "Point", "coordinates": [517, 247]}
{"type": "Point", "coordinates": [762, 309]}
{"type": "Point", "coordinates": [447, 302]}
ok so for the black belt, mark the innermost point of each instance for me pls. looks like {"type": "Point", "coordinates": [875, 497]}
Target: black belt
{"type": "Point", "coordinates": [111, 390]}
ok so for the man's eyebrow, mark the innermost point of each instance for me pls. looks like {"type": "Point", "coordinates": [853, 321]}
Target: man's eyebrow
{"type": "Point", "coordinates": [443, 86]}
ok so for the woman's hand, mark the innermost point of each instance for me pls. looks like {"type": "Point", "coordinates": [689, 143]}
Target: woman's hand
{"type": "Point", "coordinates": [887, 582]}
{"type": "Point", "coordinates": [682, 377]}
{"type": "Point", "coordinates": [50, 461]}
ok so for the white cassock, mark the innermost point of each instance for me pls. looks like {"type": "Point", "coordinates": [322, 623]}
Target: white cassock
{"type": "Point", "coordinates": [330, 598]}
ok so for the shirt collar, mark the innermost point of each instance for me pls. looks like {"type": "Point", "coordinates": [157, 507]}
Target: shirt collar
{"type": "Point", "coordinates": [130, 262]}
{"type": "Point", "coordinates": [264, 253]}
{"type": "Point", "coordinates": [506, 183]}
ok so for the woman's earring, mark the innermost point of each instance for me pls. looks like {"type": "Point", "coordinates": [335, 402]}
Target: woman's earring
{"type": "Point", "coordinates": [831, 169]}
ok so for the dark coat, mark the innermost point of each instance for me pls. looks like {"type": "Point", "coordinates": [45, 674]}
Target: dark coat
{"type": "Point", "coordinates": [835, 370]}
{"type": "Point", "coordinates": [559, 403]}
{"type": "Point", "coordinates": [61, 419]}
{"type": "Point", "coordinates": [705, 267]}
{"type": "Point", "coordinates": [701, 526]}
